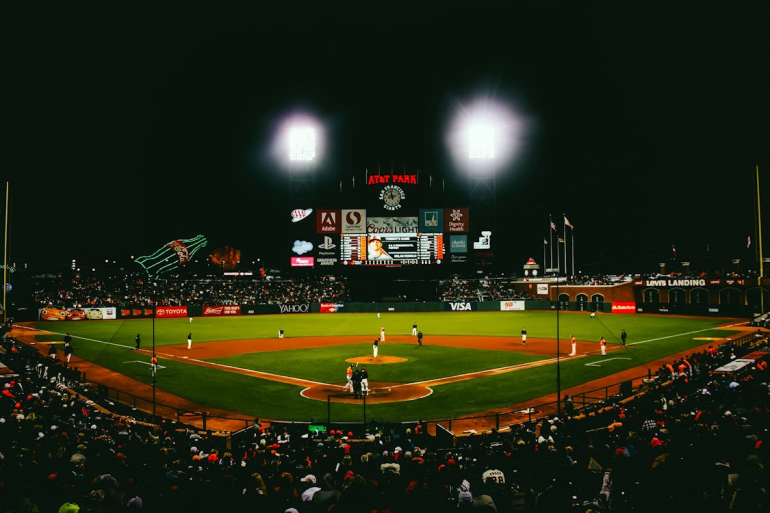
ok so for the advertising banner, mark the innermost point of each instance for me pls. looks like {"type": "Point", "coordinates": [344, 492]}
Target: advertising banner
{"type": "Point", "coordinates": [431, 220]}
{"type": "Point", "coordinates": [300, 308]}
{"type": "Point", "coordinates": [460, 306]}
{"type": "Point", "coordinates": [303, 261]}
{"type": "Point", "coordinates": [332, 307]}
{"type": "Point", "coordinates": [624, 307]}
{"type": "Point", "coordinates": [135, 312]}
{"type": "Point", "coordinates": [456, 220]}
{"type": "Point", "coordinates": [222, 310]}
{"type": "Point", "coordinates": [512, 306]}
{"type": "Point", "coordinates": [353, 221]}
{"type": "Point", "coordinates": [170, 311]}
{"type": "Point", "coordinates": [328, 221]}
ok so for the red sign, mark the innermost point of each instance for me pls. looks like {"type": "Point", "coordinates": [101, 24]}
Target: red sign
{"type": "Point", "coordinates": [626, 308]}
{"type": "Point", "coordinates": [328, 221]}
{"type": "Point", "coordinates": [303, 261]}
{"type": "Point", "coordinates": [328, 307]}
{"type": "Point", "coordinates": [456, 220]}
{"type": "Point", "coordinates": [380, 179]}
{"type": "Point", "coordinates": [222, 310]}
{"type": "Point", "coordinates": [171, 311]}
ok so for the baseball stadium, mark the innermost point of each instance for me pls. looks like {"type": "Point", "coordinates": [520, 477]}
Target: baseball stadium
{"type": "Point", "coordinates": [489, 257]}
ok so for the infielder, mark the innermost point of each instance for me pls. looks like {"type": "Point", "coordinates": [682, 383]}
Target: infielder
{"type": "Point", "coordinates": [375, 347]}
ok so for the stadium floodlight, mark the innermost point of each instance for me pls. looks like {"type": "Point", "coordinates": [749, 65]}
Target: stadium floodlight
{"type": "Point", "coordinates": [302, 144]}
{"type": "Point", "coordinates": [484, 136]}
{"type": "Point", "coordinates": [481, 141]}
{"type": "Point", "coordinates": [298, 142]}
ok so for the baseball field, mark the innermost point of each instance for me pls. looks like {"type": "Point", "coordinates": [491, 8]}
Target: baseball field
{"type": "Point", "coordinates": [469, 362]}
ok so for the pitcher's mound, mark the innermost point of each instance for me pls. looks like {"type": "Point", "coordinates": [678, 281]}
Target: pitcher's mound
{"type": "Point", "coordinates": [371, 360]}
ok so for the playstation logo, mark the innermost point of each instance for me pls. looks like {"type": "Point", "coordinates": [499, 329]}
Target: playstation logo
{"type": "Point", "coordinates": [327, 243]}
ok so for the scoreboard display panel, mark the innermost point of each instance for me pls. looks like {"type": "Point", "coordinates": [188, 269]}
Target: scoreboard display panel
{"type": "Point", "coordinates": [391, 249]}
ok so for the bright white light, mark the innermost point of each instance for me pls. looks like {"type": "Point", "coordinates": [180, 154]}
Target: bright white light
{"type": "Point", "coordinates": [302, 144]}
{"type": "Point", "coordinates": [484, 136]}
{"type": "Point", "coordinates": [298, 141]}
{"type": "Point", "coordinates": [481, 142]}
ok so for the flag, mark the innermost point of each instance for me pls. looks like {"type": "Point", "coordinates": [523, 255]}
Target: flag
{"type": "Point", "coordinates": [553, 226]}
{"type": "Point", "coordinates": [566, 222]}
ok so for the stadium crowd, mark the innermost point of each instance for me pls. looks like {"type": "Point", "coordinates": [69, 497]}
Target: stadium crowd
{"type": "Point", "coordinates": [487, 289]}
{"type": "Point", "coordinates": [693, 441]}
{"type": "Point", "coordinates": [135, 290]}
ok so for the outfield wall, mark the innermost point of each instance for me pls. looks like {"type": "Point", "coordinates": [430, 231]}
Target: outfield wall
{"type": "Point", "coordinates": [625, 307]}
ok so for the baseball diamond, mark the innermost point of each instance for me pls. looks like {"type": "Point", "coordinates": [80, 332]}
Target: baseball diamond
{"type": "Point", "coordinates": [451, 375]}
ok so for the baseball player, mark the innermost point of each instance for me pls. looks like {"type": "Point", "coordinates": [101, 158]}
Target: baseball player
{"type": "Point", "coordinates": [574, 345]}
{"type": "Point", "coordinates": [375, 347]}
{"type": "Point", "coordinates": [189, 340]}
{"type": "Point", "coordinates": [414, 329]}
{"type": "Point", "coordinates": [524, 336]}
{"type": "Point", "coordinates": [349, 377]}
{"type": "Point", "coordinates": [364, 381]}
{"type": "Point", "coordinates": [382, 333]}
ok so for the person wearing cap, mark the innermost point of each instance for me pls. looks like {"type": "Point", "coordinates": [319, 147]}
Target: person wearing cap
{"type": "Point", "coordinates": [68, 351]}
{"type": "Point", "coordinates": [375, 251]}
{"type": "Point", "coordinates": [349, 377]}
{"type": "Point", "coordinates": [364, 381]}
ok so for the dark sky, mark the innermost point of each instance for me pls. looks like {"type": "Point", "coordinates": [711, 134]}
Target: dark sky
{"type": "Point", "coordinates": [643, 121]}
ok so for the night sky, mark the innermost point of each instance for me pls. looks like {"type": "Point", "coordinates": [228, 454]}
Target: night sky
{"type": "Point", "coordinates": [642, 122]}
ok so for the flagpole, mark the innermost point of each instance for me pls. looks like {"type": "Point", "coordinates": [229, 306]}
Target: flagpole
{"type": "Point", "coordinates": [566, 266]}
{"type": "Point", "coordinates": [5, 252]}
{"type": "Point", "coordinates": [550, 236]}
{"type": "Point", "coordinates": [759, 235]}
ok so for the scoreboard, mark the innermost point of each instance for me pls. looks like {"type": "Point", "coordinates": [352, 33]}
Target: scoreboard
{"type": "Point", "coordinates": [392, 249]}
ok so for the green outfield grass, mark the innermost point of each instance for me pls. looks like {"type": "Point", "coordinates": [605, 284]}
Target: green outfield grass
{"type": "Point", "coordinates": [109, 344]}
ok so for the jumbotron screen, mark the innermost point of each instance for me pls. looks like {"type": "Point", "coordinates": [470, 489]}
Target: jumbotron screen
{"type": "Point", "coordinates": [392, 249]}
